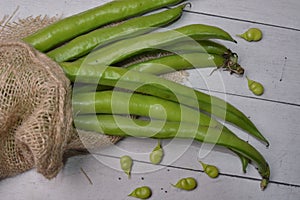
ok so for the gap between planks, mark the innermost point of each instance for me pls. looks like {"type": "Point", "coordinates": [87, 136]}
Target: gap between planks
{"type": "Point", "coordinates": [201, 171]}
{"type": "Point", "coordinates": [242, 20]}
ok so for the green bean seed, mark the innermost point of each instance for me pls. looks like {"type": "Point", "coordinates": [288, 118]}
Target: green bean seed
{"type": "Point", "coordinates": [186, 184]}
{"type": "Point", "coordinates": [157, 154]}
{"type": "Point", "coordinates": [143, 192]}
{"type": "Point", "coordinates": [211, 170]}
{"type": "Point", "coordinates": [252, 34]}
{"type": "Point", "coordinates": [255, 87]}
{"type": "Point", "coordinates": [126, 164]}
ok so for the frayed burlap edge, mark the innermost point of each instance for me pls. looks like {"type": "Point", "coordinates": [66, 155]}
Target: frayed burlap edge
{"type": "Point", "coordinates": [10, 34]}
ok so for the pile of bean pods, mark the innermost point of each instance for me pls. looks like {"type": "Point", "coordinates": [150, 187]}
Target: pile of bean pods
{"type": "Point", "coordinates": [92, 53]}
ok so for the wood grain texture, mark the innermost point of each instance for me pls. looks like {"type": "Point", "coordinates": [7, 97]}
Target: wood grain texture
{"type": "Point", "coordinates": [273, 12]}
{"type": "Point", "coordinates": [272, 61]}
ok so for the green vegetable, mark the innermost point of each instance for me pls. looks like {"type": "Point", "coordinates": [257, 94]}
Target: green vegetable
{"type": "Point", "coordinates": [176, 62]}
{"type": "Point", "coordinates": [162, 88]}
{"type": "Point", "coordinates": [124, 49]}
{"type": "Point", "coordinates": [108, 102]}
{"type": "Point", "coordinates": [219, 135]}
{"type": "Point", "coordinates": [82, 45]}
{"type": "Point", "coordinates": [157, 154]}
{"type": "Point", "coordinates": [255, 87]}
{"type": "Point", "coordinates": [143, 192]}
{"type": "Point", "coordinates": [188, 183]}
{"type": "Point", "coordinates": [70, 27]}
{"type": "Point", "coordinates": [171, 63]}
{"type": "Point", "coordinates": [211, 170]}
{"type": "Point", "coordinates": [126, 164]}
{"type": "Point", "coordinates": [252, 34]}
{"type": "Point", "coordinates": [199, 46]}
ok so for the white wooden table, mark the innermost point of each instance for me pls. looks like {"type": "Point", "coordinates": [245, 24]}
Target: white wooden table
{"type": "Point", "coordinates": [274, 61]}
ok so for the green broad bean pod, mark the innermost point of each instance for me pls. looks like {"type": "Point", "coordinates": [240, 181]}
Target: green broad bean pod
{"type": "Point", "coordinates": [125, 49]}
{"type": "Point", "coordinates": [108, 102]}
{"type": "Point", "coordinates": [199, 46]}
{"type": "Point", "coordinates": [176, 62]}
{"type": "Point", "coordinates": [216, 135]}
{"type": "Point", "coordinates": [188, 184]}
{"type": "Point", "coordinates": [162, 88]}
{"type": "Point", "coordinates": [84, 44]}
{"type": "Point", "coordinates": [70, 27]}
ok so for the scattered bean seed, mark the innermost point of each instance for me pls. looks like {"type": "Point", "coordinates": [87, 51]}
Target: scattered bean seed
{"type": "Point", "coordinates": [252, 34]}
{"type": "Point", "coordinates": [143, 192]}
{"type": "Point", "coordinates": [126, 164]}
{"type": "Point", "coordinates": [255, 87]}
{"type": "Point", "coordinates": [157, 154]}
{"type": "Point", "coordinates": [211, 170]}
{"type": "Point", "coordinates": [186, 184]}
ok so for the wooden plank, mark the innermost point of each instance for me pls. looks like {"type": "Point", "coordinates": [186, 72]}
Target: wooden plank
{"type": "Point", "coordinates": [273, 61]}
{"type": "Point", "coordinates": [109, 183]}
{"type": "Point", "coordinates": [281, 13]}
{"type": "Point", "coordinates": [275, 12]}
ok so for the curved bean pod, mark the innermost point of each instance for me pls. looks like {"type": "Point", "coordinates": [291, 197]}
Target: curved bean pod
{"type": "Point", "coordinates": [83, 44]}
{"type": "Point", "coordinates": [108, 102]}
{"type": "Point", "coordinates": [124, 49]}
{"type": "Point", "coordinates": [162, 88]}
{"type": "Point", "coordinates": [70, 27]}
{"type": "Point", "coordinates": [200, 46]}
{"type": "Point", "coordinates": [171, 63]}
{"type": "Point", "coordinates": [217, 135]}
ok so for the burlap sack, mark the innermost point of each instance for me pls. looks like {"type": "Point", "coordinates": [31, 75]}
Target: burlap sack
{"type": "Point", "coordinates": [35, 106]}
